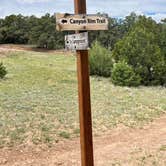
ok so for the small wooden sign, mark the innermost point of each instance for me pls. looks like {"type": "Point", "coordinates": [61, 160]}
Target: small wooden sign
{"type": "Point", "coordinates": [71, 22]}
{"type": "Point", "coordinates": [77, 41]}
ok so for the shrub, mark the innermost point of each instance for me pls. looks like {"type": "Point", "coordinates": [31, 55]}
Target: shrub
{"type": "Point", "coordinates": [42, 41]}
{"type": "Point", "coordinates": [141, 51]}
{"type": "Point", "coordinates": [124, 75]}
{"type": "Point", "coordinates": [100, 60]}
{"type": "Point", "coordinates": [3, 71]}
{"type": "Point", "coordinates": [1, 38]}
{"type": "Point", "coordinates": [159, 73]}
{"type": "Point", "coordinates": [51, 43]}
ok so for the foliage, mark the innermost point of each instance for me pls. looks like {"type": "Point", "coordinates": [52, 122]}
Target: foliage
{"type": "Point", "coordinates": [162, 37]}
{"type": "Point", "coordinates": [3, 71]}
{"type": "Point", "coordinates": [140, 49]}
{"type": "Point", "coordinates": [41, 32]}
{"type": "Point", "coordinates": [1, 37]}
{"type": "Point", "coordinates": [51, 43]}
{"type": "Point", "coordinates": [22, 30]}
{"type": "Point", "coordinates": [42, 41]}
{"type": "Point", "coordinates": [124, 75]}
{"type": "Point", "coordinates": [14, 29]}
{"type": "Point", "coordinates": [44, 34]}
{"type": "Point", "coordinates": [39, 100]}
{"type": "Point", "coordinates": [100, 60]}
{"type": "Point", "coordinates": [116, 30]}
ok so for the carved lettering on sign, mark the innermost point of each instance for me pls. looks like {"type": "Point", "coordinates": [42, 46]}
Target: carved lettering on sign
{"type": "Point", "coordinates": [67, 22]}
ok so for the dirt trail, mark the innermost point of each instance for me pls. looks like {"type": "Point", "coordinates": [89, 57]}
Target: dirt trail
{"type": "Point", "coordinates": [122, 145]}
{"type": "Point", "coordinates": [14, 47]}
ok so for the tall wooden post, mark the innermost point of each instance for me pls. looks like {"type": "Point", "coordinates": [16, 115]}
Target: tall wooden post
{"type": "Point", "coordinates": [86, 139]}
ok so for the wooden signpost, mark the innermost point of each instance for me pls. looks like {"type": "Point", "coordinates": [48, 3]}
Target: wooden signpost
{"type": "Point", "coordinates": [81, 23]}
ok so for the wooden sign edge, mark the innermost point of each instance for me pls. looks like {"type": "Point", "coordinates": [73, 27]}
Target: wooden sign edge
{"type": "Point", "coordinates": [63, 15]}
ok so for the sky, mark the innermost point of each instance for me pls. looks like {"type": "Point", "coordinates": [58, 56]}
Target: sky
{"type": "Point", "coordinates": [115, 8]}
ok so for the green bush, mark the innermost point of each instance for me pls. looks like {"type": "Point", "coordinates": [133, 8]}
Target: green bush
{"type": "Point", "coordinates": [1, 38]}
{"type": "Point", "coordinates": [140, 49]}
{"type": "Point", "coordinates": [123, 75]}
{"type": "Point", "coordinates": [100, 60]}
{"type": "Point", "coordinates": [159, 73]}
{"type": "Point", "coordinates": [3, 71]}
{"type": "Point", "coordinates": [42, 41]}
{"type": "Point", "coordinates": [51, 42]}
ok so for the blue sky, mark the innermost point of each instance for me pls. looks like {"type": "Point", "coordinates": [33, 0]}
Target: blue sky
{"type": "Point", "coordinates": [115, 8]}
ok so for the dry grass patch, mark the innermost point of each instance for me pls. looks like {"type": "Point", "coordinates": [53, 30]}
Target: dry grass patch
{"type": "Point", "coordinates": [39, 104]}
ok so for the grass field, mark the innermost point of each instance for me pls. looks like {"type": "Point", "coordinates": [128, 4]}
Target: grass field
{"type": "Point", "coordinates": [39, 104]}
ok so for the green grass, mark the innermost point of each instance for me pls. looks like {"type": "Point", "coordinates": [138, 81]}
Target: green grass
{"type": "Point", "coordinates": [39, 104]}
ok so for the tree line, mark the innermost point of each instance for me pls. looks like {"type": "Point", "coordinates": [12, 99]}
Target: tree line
{"type": "Point", "coordinates": [41, 32]}
{"type": "Point", "coordinates": [136, 44]}
{"type": "Point", "coordinates": [19, 29]}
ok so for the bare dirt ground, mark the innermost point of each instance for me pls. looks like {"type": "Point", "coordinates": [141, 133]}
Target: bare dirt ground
{"type": "Point", "coordinates": [121, 146]}
{"type": "Point", "coordinates": [15, 47]}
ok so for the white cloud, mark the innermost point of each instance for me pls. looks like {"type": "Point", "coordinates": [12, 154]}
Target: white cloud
{"type": "Point", "coordinates": [121, 8]}
{"type": "Point", "coordinates": [32, 1]}
{"type": "Point", "coordinates": [158, 6]}
{"type": "Point", "coordinates": [159, 16]}
{"type": "Point", "coordinates": [115, 8]}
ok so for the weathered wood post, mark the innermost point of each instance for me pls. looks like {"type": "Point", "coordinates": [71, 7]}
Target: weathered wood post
{"type": "Point", "coordinates": [86, 139]}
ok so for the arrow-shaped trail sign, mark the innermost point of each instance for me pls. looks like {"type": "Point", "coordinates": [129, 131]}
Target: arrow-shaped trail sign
{"type": "Point", "coordinates": [70, 22]}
